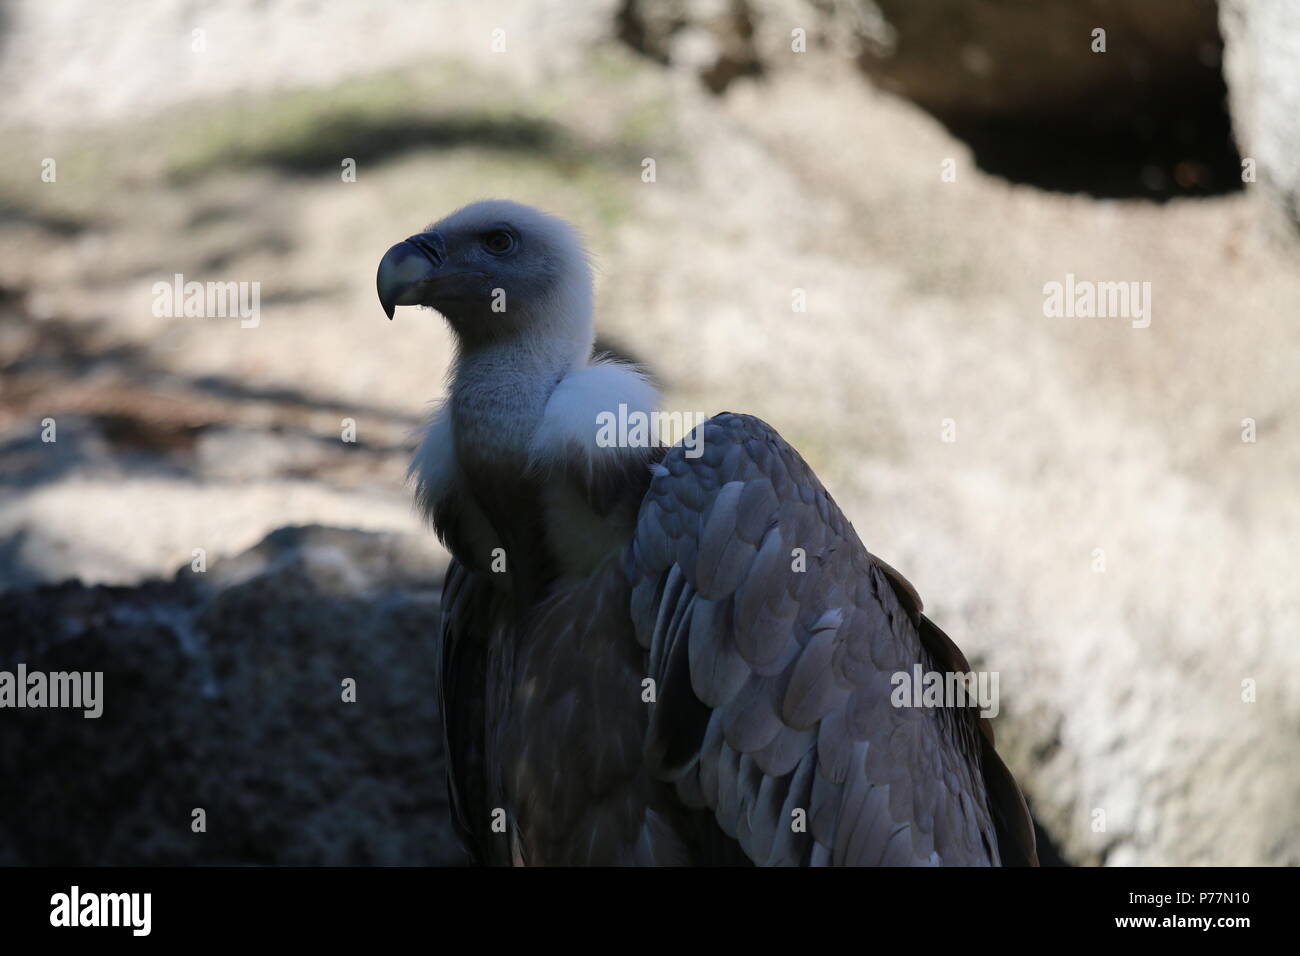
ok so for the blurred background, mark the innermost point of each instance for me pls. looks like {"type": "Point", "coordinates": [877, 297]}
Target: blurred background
{"type": "Point", "coordinates": [1106, 515]}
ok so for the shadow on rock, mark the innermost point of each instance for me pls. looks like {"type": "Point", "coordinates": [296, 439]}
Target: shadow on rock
{"type": "Point", "coordinates": [223, 691]}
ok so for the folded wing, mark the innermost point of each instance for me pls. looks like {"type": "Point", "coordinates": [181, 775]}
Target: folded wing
{"type": "Point", "coordinates": [773, 637]}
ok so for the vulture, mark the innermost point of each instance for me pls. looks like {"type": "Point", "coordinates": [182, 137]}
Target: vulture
{"type": "Point", "coordinates": [661, 655]}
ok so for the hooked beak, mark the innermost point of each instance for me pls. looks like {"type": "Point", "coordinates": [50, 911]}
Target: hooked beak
{"type": "Point", "coordinates": [407, 268]}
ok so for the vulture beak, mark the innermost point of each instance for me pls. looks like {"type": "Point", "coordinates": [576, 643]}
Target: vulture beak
{"type": "Point", "coordinates": [407, 268]}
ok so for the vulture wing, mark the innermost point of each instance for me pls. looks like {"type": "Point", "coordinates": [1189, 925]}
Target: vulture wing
{"type": "Point", "coordinates": [472, 618]}
{"type": "Point", "coordinates": [772, 635]}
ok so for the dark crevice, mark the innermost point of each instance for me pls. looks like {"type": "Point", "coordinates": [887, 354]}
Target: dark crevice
{"type": "Point", "coordinates": [1180, 145]}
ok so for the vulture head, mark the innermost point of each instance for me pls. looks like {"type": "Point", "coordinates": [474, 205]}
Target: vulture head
{"type": "Point", "coordinates": [497, 271]}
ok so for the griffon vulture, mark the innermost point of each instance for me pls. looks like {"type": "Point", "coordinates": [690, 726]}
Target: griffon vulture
{"type": "Point", "coordinates": [633, 667]}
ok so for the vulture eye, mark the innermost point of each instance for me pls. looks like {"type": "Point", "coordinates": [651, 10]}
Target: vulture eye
{"type": "Point", "coordinates": [499, 243]}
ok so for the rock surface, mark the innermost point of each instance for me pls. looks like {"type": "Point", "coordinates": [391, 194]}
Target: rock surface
{"type": "Point", "coordinates": [1016, 80]}
{"type": "Point", "coordinates": [1262, 63]}
{"type": "Point", "coordinates": [958, 59]}
{"type": "Point", "coordinates": [223, 691]}
{"type": "Point", "coordinates": [1096, 96]}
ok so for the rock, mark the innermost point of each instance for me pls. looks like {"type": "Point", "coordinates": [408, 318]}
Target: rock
{"type": "Point", "coordinates": [1262, 64]}
{"type": "Point", "coordinates": [222, 691]}
{"type": "Point", "coordinates": [1029, 85]}
{"type": "Point", "coordinates": [714, 38]}
{"type": "Point", "coordinates": [959, 60]}
{"type": "Point", "coordinates": [1036, 61]}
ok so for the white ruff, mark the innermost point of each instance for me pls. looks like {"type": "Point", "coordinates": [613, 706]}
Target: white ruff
{"type": "Point", "coordinates": [570, 423]}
